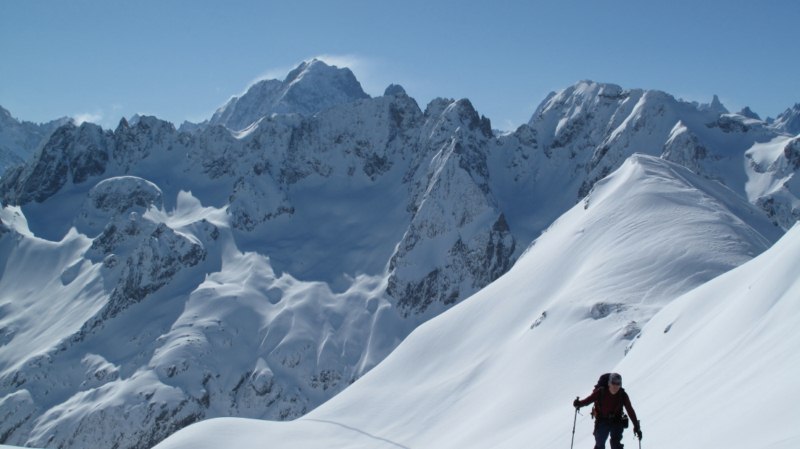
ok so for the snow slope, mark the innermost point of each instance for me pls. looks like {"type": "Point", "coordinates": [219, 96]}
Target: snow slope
{"type": "Point", "coordinates": [500, 369]}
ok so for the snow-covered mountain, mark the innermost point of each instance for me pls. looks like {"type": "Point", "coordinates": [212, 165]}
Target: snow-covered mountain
{"type": "Point", "coordinates": [312, 87]}
{"type": "Point", "coordinates": [20, 139]}
{"type": "Point", "coordinates": [634, 279]}
{"type": "Point", "coordinates": [789, 120]}
{"type": "Point", "coordinates": [599, 125]}
{"type": "Point", "coordinates": [152, 278]}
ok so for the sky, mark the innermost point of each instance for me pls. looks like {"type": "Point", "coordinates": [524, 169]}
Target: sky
{"type": "Point", "coordinates": [180, 60]}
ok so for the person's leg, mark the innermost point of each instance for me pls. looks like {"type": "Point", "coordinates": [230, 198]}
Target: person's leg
{"type": "Point", "coordinates": [615, 431]}
{"type": "Point", "coordinates": [601, 429]}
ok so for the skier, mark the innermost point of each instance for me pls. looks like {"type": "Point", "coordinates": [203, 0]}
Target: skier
{"type": "Point", "coordinates": [609, 398]}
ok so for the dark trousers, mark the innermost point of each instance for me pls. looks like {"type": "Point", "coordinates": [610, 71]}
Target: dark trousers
{"type": "Point", "coordinates": [605, 428]}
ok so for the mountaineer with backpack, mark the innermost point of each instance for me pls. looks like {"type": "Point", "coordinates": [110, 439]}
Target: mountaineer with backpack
{"type": "Point", "coordinates": [609, 398]}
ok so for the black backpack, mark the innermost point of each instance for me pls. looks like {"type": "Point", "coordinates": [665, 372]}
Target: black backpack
{"type": "Point", "coordinates": [602, 382]}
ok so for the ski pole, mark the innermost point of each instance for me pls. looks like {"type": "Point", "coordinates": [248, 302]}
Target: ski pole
{"type": "Point", "coordinates": [640, 434]}
{"type": "Point", "coordinates": [574, 421]}
{"type": "Point", "coordinates": [640, 437]}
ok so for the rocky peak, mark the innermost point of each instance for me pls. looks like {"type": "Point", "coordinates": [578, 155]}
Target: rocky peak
{"type": "Point", "coordinates": [318, 71]}
{"type": "Point", "coordinates": [447, 115]}
{"type": "Point", "coordinates": [580, 96]}
{"type": "Point", "coordinates": [311, 87]}
{"type": "Point", "coordinates": [583, 111]}
{"type": "Point", "coordinates": [715, 106]}
{"type": "Point", "coordinates": [394, 90]}
{"type": "Point", "coordinates": [789, 120]}
{"type": "Point", "coordinates": [747, 112]}
{"type": "Point", "coordinates": [72, 154]}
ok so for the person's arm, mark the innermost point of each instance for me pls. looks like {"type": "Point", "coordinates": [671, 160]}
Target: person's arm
{"type": "Point", "coordinates": [637, 429]}
{"type": "Point", "coordinates": [578, 403]}
{"type": "Point", "coordinates": [629, 408]}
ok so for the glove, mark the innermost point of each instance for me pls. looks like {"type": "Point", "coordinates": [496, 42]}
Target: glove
{"type": "Point", "coordinates": [637, 430]}
{"type": "Point", "coordinates": [576, 403]}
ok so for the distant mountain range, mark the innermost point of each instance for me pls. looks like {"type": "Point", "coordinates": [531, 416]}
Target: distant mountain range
{"type": "Point", "coordinates": [260, 262]}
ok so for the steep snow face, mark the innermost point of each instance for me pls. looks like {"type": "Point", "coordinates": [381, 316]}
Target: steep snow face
{"type": "Point", "coordinates": [501, 368]}
{"type": "Point", "coordinates": [310, 88]}
{"type": "Point", "coordinates": [730, 341]}
{"type": "Point", "coordinates": [19, 140]}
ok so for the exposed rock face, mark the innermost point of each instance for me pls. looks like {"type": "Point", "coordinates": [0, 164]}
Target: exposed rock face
{"type": "Point", "coordinates": [72, 154]}
{"type": "Point", "coordinates": [115, 196]}
{"type": "Point", "coordinates": [157, 259]}
{"type": "Point", "coordinates": [792, 154]}
{"type": "Point", "coordinates": [19, 140]}
{"type": "Point", "coordinates": [457, 197]}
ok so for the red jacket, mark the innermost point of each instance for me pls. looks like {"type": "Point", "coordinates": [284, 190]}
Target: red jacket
{"type": "Point", "coordinates": [610, 405]}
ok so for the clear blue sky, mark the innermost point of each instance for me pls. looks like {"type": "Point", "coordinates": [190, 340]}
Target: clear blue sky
{"type": "Point", "coordinates": [182, 59]}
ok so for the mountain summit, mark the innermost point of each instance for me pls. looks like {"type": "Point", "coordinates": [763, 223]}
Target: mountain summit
{"type": "Point", "coordinates": [308, 89]}
{"type": "Point", "coordinates": [789, 120]}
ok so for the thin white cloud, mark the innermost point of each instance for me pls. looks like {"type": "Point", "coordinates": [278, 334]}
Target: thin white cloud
{"type": "Point", "coordinates": [90, 117]}
{"type": "Point", "coordinates": [274, 73]}
{"type": "Point", "coordinates": [353, 62]}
